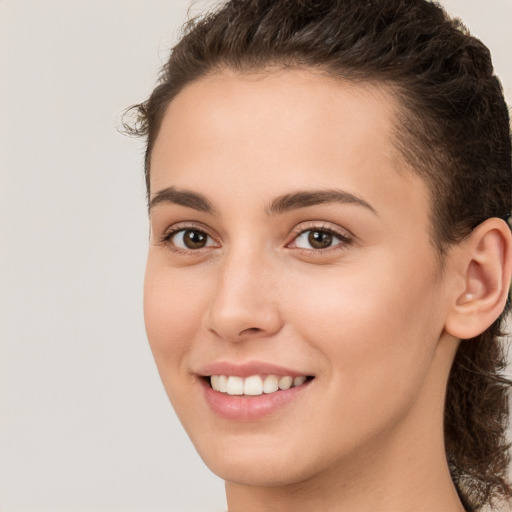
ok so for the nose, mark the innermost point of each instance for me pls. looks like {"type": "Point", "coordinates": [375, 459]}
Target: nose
{"type": "Point", "coordinates": [245, 303]}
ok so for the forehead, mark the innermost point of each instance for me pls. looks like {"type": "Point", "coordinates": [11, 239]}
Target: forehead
{"type": "Point", "coordinates": [244, 135]}
{"type": "Point", "coordinates": [280, 109]}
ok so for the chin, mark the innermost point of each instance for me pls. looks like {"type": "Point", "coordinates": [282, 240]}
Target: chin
{"type": "Point", "coordinates": [253, 463]}
{"type": "Point", "coordinates": [258, 474]}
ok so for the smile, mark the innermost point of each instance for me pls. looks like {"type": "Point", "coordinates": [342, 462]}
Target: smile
{"type": "Point", "coordinates": [254, 385]}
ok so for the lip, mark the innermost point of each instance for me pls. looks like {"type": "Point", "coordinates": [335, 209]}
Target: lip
{"type": "Point", "coordinates": [248, 408]}
{"type": "Point", "coordinates": [247, 369]}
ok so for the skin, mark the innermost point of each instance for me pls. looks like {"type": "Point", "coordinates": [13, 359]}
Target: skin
{"type": "Point", "coordinates": [367, 316]}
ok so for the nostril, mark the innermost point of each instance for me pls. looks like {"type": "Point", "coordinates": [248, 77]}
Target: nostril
{"type": "Point", "coordinates": [249, 330]}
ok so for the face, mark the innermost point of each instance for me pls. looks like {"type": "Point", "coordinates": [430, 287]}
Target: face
{"type": "Point", "coordinates": [290, 249]}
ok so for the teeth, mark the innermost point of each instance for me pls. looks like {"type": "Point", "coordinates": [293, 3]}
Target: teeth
{"type": "Point", "coordinates": [254, 385]}
{"type": "Point", "coordinates": [285, 382]}
{"type": "Point", "coordinates": [223, 384]}
{"type": "Point", "coordinates": [270, 384]}
{"type": "Point", "coordinates": [298, 381]}
{"type": "Point", "coordinates": [235, 386]}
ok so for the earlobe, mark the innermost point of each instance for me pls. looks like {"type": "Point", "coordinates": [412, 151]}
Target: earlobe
{"type": "Point", "coordinates": [485, 264]}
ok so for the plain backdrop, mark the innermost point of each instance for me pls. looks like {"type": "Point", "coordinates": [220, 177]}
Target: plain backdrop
{"type": "Point", "coordinates": [84, 422]}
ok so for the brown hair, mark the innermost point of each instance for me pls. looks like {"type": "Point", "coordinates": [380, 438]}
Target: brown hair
{"type": "Point", "coordinates": [453, 129]}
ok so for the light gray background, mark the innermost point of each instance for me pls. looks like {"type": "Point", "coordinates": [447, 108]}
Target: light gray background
{"type": "Point", "coordinates": [85, 424]}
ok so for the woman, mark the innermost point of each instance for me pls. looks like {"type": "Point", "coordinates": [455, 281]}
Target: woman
{"type": "Point", "coordinates": [329, 183]}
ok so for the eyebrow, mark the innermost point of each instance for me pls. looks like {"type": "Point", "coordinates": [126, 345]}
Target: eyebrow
{"type": "Point", "coordinates": [303, 199]}
{"type": "Point", "coordinates": [185, 198]}
{"type": "Point", "coordinates": [281, 204]}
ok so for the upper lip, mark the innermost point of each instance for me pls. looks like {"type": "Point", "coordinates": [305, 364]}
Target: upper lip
{"type": "Point", "coordinates": [247, 369]}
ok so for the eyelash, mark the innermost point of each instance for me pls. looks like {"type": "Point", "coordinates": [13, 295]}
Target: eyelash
{"type": "Point", "coordinates": [167, 238]}
{"type": "Point", "coordinates": [344, 240]}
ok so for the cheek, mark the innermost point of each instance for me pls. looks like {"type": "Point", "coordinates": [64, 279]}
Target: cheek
{"type": "Point", "coordinates": [172, 315]}
{"type": "Point", "coordinates": [378, 344]}
{"type": "Point", "coordinates": [377, 326]}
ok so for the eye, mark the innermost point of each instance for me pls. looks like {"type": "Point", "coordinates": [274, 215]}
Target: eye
{"type": "Point", "coordinates": [190, 239]}
{"type": "Point", "coordinates": [318, 239]}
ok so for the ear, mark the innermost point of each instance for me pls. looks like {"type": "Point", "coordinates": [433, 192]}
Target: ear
{"type": "Point", "coordinates": [482, 266]}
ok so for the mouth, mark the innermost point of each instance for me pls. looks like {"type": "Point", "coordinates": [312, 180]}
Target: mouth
{"type": "Point", "coordinates": [252, 390]}
{"type": "Point", "coordinates": [255, 385]}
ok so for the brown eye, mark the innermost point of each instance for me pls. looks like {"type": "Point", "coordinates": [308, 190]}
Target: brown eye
{"type": "Point", "coordinates": [194, 239]}
{"type": "Point", "coordinates": [320, 239]}
{"type": "Point", "coordinates": [191, 239]}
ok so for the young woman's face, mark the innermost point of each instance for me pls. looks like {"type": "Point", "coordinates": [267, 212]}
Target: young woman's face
{"type": "Point", "coordinates": [289, 242]}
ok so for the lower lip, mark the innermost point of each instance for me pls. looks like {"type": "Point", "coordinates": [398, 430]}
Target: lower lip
{"type": "Point", "coordinates": [249, 408]}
